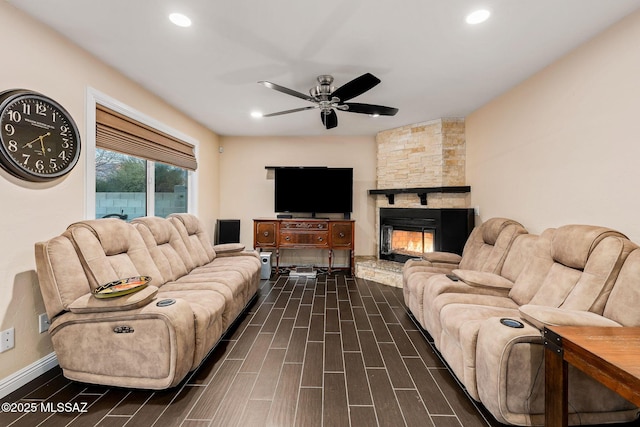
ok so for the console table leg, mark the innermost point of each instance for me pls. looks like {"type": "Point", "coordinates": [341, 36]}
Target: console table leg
{"type": "Point", "coordinates": [556, 389]}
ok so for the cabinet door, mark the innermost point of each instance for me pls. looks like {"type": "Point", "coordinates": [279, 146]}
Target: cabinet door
{"type": "Point", "coordinates": [342, 234]}
{"type": "Point", "coordinates": [265, 235]}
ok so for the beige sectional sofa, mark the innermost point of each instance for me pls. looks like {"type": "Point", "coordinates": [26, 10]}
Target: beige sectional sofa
{"type": "Point", "coordinates": [572, 275]}
{"type": "Point", "coordinates": [138, 340]}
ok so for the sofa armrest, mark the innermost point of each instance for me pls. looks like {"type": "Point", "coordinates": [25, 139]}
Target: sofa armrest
{"type": "Point", "coordinates": [442, 257]}
{"type": "Point", "coordinates": [228, 248]}
{"type": "Point", "coordinates": [483, 279]}
{"type": "Point", "coordinates": [541, 316]}
{"type": "Point", "coordinates": [90, 304]}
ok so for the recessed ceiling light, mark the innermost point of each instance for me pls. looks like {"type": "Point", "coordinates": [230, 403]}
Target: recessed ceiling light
{"type": "Point", "coordinates": [180, 20]}
{"type": "Point", "coordinates": [256, 114]}
{"type": "Point", "coordinates": [478, 16]}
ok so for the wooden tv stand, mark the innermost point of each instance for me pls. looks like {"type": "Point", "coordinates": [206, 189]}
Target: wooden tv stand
{"type": "Point", "coordinates": [305, 233]}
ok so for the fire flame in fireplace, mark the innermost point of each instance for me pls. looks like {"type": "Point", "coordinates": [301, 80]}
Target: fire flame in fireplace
{"type": "Point", "coordinates": [411, 242]}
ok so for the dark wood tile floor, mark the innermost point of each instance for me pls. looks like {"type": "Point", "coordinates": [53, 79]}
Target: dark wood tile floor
{"type": "Point", "coordinates": [332, 351]}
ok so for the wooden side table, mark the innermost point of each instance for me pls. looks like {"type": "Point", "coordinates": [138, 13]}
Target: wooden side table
{"type": "Point", "coordinates": [610, 355]}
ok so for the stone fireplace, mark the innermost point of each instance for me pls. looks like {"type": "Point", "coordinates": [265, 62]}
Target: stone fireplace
{"type": "Point", "coordinates": [429, 155]}
{"type": "Point", "coordinates": [409, 233]}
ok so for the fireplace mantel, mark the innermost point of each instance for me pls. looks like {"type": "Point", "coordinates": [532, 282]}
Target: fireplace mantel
{"type": "Point", "coordinates": [420, 191]}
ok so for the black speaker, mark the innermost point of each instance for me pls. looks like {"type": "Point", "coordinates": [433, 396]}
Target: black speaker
{"type": "Point", "coordinates": [227, 231]}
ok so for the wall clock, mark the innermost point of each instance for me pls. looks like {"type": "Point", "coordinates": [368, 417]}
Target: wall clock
{"type": "Point", "coordinates": [39, 141]}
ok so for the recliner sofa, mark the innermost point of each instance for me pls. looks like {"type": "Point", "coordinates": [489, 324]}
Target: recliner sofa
{"type": "Point", "coordinates": [152, 338]}
{"type": "Point", "coordinates": [573, 275]}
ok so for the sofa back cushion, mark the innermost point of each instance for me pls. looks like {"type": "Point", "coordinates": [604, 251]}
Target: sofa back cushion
{"type": "Point", "coordinates": [592, 290]}
{"type": "Point", "coordinates": [624, 300]}
{"type": "Point", "coordinates": [195, 238]}
{"type": "Point", "coordinates": [60, 274]}
{"type": "Point", "coordinates": [488, 245]}
{"type": "Point", "coordinates": [573, 244]}
{"type": "Point", "coordinates": [165, 245]}
{"type": "Point", "coordinates": [111, 249]}
{"type": "Point", "coordinates": [535, 269]}
{"type": "Point", "coordinates": [586, 260]}
{"type": "Point", "coordinates": [520, 253]}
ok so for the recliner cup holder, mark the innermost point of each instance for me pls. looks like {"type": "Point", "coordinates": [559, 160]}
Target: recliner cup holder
{"type": "Point", "coordinates": [512, 323]}
{"type": "Point", "coordinates": [166, 302]}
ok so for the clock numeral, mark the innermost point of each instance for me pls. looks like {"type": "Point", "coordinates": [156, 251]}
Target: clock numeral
{"type": "Point", "coordinates": [9, 129]}
{"type": "Point", "coordinates": [13, 146]}
{"type": "Point", "coordinates": [65, 143]}
{"type": "Point", "coordinates": [14, 116]}
{"type": "Point", "coordinates": [52, 163]}
{"type": "Point", "coordinates": [26, 158]}
{"type": "Point", "coordinates": [41, 110]}
{"type": "Point", "coordinates": [26, 109]}
{"type": "Point", "coordinates": [63, 130]}
{"type": "Point", "coordinates": [63, 155]}
{"type": "Point", "coordinates": [40, 165]}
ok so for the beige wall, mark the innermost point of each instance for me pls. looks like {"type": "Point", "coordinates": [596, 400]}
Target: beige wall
{"type": "Point", "coordinates": [564, 146]}
{"type": "Point", "coordinates": [247, 189]}
{"type": "Point", "coordinates": [41, 60]}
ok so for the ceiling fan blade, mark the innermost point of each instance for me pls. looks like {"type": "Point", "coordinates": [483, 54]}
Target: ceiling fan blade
{"type": "Point", "coordinates": [330, 119]}
{"type": "Point", "coordinates": [287, 91]}
{"type": "Point", "coordinates": [295, 110]}
{"type": "Point", "coordinates": [381, 110]}
{"type": "Point", "coordinates": [356, 87]}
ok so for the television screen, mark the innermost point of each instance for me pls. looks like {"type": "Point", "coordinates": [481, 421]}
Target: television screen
{"type": "Point", "coordinates": [313, 190]}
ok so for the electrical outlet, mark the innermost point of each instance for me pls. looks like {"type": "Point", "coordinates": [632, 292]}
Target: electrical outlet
{"type": "Point", "coordinates": [6, 340]}
{"type": "Point", "coordinates": [43, 323]}
{"type": "Point", "coordinates": [476, 210]}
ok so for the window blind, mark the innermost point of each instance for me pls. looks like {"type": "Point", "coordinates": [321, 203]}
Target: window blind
{"type": "Point", "coordinates": [117, 132]}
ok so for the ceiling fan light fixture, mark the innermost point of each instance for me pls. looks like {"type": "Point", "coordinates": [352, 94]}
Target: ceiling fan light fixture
{"type": "Point", "coordinates": [180, 20]}
{"type": "Point", "coordinates": [257, 114]}
{"type": "Point", "coordinates": [478, 16]}
{"type": "Point", "coordinates": [374, 115]}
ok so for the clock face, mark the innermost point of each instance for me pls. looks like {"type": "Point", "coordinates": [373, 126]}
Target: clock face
{"type": "Point", "coordinates": [39, 140]}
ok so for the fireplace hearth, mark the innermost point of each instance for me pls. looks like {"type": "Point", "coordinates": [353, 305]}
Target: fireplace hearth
{"type": "Point", "coordinates": [407, 233]}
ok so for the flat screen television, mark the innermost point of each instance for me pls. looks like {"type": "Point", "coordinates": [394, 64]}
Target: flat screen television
{"type": "Point", "coordinates": [313, 190]}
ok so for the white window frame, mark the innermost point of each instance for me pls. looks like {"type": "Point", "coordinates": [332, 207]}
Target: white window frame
{"type": "Point", "coordinates": [95, 97]}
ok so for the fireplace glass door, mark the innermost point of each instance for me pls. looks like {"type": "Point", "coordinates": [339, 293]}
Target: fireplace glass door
{"type": "Point", "coordinates": [407, 243]}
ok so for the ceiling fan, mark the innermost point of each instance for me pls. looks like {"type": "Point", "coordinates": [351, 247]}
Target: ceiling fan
{"type": "Point", "coordinates": [329, 99]}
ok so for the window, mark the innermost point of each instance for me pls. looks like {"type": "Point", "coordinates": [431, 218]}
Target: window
{"type": "Point", "coordinates": [122, 190]}
{"type": "Point", "coordinates": [141, 166]}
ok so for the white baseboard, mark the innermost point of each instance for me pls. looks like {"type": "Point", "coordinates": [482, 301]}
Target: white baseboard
{"type": "Point", "coordinates": [29, 373]}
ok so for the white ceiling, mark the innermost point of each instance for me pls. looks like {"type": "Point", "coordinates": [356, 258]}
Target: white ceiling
{"type": "Point", "coordinates": [431, 63]}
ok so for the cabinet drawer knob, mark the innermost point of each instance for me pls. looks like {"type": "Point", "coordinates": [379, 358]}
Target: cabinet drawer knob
{"type": "Point", "coordinates": [266, 233]}
{"type": "Point", "coordinates": [320, 239]}
{"type": "Point", "coordinates": [287, 238]}
{"type": "Point", "coordinates": [341, 234]}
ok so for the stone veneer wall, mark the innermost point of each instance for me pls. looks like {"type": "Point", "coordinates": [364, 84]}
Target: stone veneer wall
{"type": "Point", "coordinates": [429, 154]}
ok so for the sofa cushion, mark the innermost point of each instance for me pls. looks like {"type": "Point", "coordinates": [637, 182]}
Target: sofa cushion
{"type": "Point", "coordinates": [572, 244]}
{"type": "Point", "coordinates": [488, 249]}
{"type": "Point", "coordinates": [195, 238]}
{"type": "Point", "coordinates": [111, 249]}
{"type": "Point", "coordinates": [166, 247]}
{"type": "Point", "coordinates": [624, 299]}
{"type": "Point", "coordinates": [60, 274]}
{"type": "Point", "coordinates": [492, 228]}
